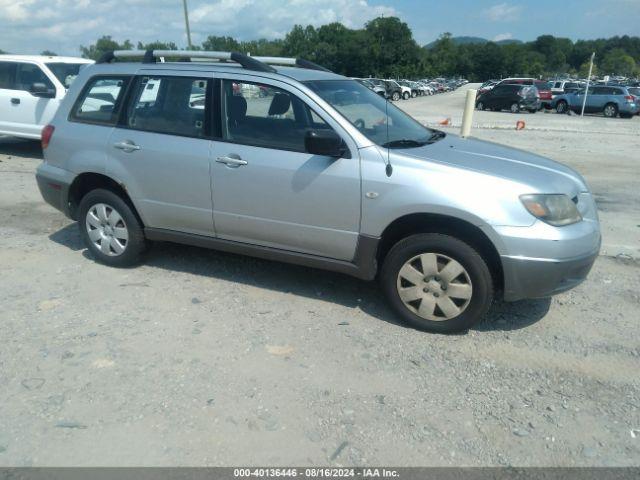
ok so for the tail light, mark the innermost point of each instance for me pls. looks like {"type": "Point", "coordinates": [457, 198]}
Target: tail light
{"type": "Point", "coordinates": [47, 133]}
{"type": "Point", "coordinates": [629, 98]}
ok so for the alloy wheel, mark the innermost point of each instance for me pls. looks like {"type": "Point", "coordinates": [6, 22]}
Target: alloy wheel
{"type": "Point", "coordinates": [434, 286]}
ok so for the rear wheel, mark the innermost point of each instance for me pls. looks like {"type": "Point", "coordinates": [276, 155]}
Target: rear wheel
{"type": "Point", "coordinates": [395, 96]}
{"type": "Point", "coordinates": [406, 95]}
{"type": "Point", "coordinates": [110, 229]}
{"type": "Point", "coordinates": [480, 106]}
{"type": "Point", "coordinates": [437, 283]}
{"type": "Point", "coordinates": [610, 110]}
{"type": "Point", "coordinates": [514, 108]}
{"type": "Point", "coordinates": [562, 107]}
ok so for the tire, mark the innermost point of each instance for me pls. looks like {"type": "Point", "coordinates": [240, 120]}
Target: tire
{"type": "Point", "coordinates": [480, 106]}
{"type": "Point", "coordinates": [562, 107]}
{"type": "Point", "coordinates": [533, 110]}
{"type": "Point", "coordinates": [117, 241]}
{"type": "Point", "coordinates": [414, 94]}
{"type": "Point", "coordinates": [404, 261]}
{"type": "Point", "coordinates": [406, 95]}
{"type": "Point", "coordinates": [395, 96]}
{"type": "Point", "coordinates": [610, 110]}
{"type": "Point", "coordinates": [514, 108]}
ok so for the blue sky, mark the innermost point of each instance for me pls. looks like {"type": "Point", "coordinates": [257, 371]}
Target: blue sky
{"type": "Point", "coordinates": [30, 26]}
{"type": "Point", "coordinates": [523, 20]}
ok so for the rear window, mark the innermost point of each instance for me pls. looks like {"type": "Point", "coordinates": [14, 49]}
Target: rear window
{"type": "Point", "coordinates": [100, 100]}
{"type": "Point", "coordinates": [170, 105]}
{"type": "Point", "coordinates": [634, 91]}
{"type": "Point", "coordinates": [66, 73]}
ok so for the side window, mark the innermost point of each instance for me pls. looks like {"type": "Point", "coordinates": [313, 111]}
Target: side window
{"type": "Point", "coordinates": [266, 116]}
{"type": "Point", "coordinates": [8, 75]}
{"type": "Point", "coordinates": [28, 74]}
{"type": "Point", "coordinates": [172, 105]}
{"type": "Point", "coordinates": [100, 101]}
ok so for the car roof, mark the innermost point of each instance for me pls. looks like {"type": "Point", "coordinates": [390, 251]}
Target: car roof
{"type": "Point", "coordinates": [296, 73]}
{"type": "Point", "coordinates": [44, 58]}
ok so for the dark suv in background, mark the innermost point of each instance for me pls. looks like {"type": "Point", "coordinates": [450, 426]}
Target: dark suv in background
{"type": "Point", "coordinates": [510, 97]}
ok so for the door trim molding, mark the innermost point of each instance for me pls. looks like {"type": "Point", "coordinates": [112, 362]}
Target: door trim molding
{"type": "Point", "coordinates": [363, 266]}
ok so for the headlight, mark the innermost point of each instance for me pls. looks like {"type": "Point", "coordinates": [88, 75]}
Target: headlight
{"type": "Point", "coordinates": [554, 209]}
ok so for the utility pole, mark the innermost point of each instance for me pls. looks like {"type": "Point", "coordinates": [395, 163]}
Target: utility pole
{"type": "Point", "coordinates": [186, 22]}
{"type": "Point", "coordinates": [586, 90]}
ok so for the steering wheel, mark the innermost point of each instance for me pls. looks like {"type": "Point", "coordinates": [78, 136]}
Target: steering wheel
{"type": "Point", "coordinates": [359, 123]}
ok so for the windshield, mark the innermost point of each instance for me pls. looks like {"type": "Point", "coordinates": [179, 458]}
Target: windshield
{"type": "Point", "coordinates": [370, 113]}
{"type": "Point", "coordinates": [66, 72]}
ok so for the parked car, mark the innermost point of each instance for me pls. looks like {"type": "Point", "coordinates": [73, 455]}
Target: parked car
{"type": "Point", "coordinates": [565, 86]}
{"type": "Point", "coordinates": [611, 101]}
{"type": "Point", "coordinates": [379, 89]}
{"type": "Point", "coordinates": [31, 88]}
{"type": "Point", "coordinates": [329, 175]}
{"type": "Point", "coordinates": [510, 97]}
{"type": "Point", "coordinates": [544, 91]}
{"type": "Point", "coordinates": [393, 91]}
{"type": "Point", "coordinates": [488, 85]}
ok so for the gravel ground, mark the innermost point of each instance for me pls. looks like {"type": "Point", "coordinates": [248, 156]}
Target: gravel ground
{"type": "Point", "coordinates": [205, 358]}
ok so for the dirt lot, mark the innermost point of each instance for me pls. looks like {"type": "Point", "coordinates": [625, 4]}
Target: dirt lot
{"type": "Point", "coordinates": [204, 358]}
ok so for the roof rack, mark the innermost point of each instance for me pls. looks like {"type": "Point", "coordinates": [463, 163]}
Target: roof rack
{"type": "Point", "coordinates": [259, 64]}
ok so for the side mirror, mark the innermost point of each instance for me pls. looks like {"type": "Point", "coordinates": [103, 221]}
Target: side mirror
{"type": "Point", "coordinates": [41, 90]}
{"type": "Point", "coordinates": [324, 142]}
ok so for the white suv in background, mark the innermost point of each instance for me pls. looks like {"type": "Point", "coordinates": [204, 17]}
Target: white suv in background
{"type": "Point", "coordinates": [31, 88]}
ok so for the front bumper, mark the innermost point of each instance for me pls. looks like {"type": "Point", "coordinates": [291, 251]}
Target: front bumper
{"type": "Point", "coordinates": [538, 278]}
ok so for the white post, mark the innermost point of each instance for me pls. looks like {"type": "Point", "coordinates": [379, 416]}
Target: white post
{"type": "Point", "coordinates": [186, 23]}
{"type": "Point", "coordinates": [586, 90]}
{"type": "Point", "coordinates": [467, 116]}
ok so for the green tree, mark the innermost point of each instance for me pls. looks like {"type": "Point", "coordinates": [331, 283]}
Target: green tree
{"type": "Point", "coordinates": [618, 62]}
{"type": "Point", "coordinates": [157, 45]}
{"type": "Point", "coordinates": [221, 44]}
{"type": "Point", "coordinates": [103, 45]}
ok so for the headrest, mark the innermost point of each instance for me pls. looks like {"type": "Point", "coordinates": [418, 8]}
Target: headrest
{"type": "Point", "coordinates": [237, 108]}
{"type": "Point", "coordinates": [280, 104]}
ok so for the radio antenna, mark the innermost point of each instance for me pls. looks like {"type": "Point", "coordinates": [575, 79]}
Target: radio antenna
{"type": "Point", "coordinates": [388, 167]}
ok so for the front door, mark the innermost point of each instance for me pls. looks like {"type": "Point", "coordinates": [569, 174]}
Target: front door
{"type": "Point", "coordinates": [267, 190]}
{"type": "Point", "coordinates": [22, 113]}
{"type": "Point", "coordinates": [161, 152]}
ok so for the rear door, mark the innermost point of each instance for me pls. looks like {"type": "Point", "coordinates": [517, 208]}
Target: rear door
{"type": "Point", "coordinates": [267, 190]}
{"type": "Point", "coordinates": [160, 150]}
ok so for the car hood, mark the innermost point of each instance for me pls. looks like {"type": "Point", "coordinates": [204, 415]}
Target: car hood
{"type": "Point", "coordinates": [536, 172]}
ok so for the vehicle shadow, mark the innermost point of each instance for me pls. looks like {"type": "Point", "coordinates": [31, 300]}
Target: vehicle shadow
{"type": "Point", "coordinates": [297, 280]}
{"type": "Point", "coordinates": [17, 147]}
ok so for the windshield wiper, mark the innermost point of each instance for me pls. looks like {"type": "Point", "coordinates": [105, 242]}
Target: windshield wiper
{"type": "Point", "coordinates": [435, 136]}
{"type": "Point", "coordinates": [405, 142]}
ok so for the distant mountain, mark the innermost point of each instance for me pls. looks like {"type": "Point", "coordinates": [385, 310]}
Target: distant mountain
{"type": "Point", "coordinates": [469, 40]}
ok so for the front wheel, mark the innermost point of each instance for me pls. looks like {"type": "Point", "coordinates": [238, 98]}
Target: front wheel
{"type": "Point", "coordinates": [562, 107]}
{"type": "Point", "coordinates": [396, 96]}
{"type": "Point", "coordinates": [406, 95]}
{"type": "Point", "coordinates": [480, 106]}
{"type": "Point", "coordinates": [437, 283]}
{"type": "Point", "coordinates": [110, 229]}
{"type": "Point", "coordinates": [515, 108]}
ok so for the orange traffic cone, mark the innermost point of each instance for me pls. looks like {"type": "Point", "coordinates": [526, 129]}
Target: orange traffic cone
{"type": "Point", "coordinates": [520, 125]}
{"type": "Point", "coordinates": [446, 121]}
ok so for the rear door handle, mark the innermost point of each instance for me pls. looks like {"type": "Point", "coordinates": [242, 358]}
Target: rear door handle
{"type": "Point", "coordinates": [15, 101]}
{"type": "Point", "coordinates": [231, 161]}
{"type": "Point", "coordinates": [127, 146]}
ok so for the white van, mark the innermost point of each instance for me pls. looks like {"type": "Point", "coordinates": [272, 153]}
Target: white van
{"type": "Point", "coordinates": [31, 88]}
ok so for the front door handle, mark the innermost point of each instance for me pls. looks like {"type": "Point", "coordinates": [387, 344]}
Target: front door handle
{"type": "Point", "coordinates": [15, 101]}
{"type": "Point", "coordinates": [231, 161]}
{"type": "Point", "coordinates": [127, 146]}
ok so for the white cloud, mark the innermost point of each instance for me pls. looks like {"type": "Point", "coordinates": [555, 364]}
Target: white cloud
{"type": "Point", "coordinates": [503, 12]}
{"type": "Point", "coordinates": [502, 36]}
{"type": "Point", "coordinates": [30, 26]}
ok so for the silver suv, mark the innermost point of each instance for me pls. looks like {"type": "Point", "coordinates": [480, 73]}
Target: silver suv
{"type": "Point", "coordinates": [297, 164]}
